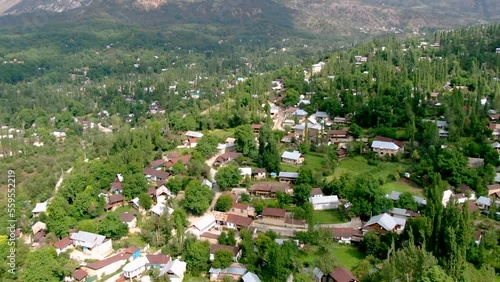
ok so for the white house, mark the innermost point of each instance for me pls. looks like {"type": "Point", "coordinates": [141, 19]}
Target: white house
{"type": "Point", "coordinates": [294, 157]}
{"type": "Point", "coordinates": [158, 209]}
{"type": "Point", "coordinates": [250, 277]}
{"type": "Point", "coordinates": [174, 270]}
{"type": "Point", "coordinates": [324, 202]}
{"type": "Point", "coordinates": [129, 219]}
{"type": "Point", "coordinates": [202, 225]}
{"type": "Point", "coordinates": [135, 268]}
{"type": "Point", "coordinates": [246, 171]}
{"type": "Point", "coordinates": [93, 244]}
{"type": "Point", "coordinates": [484, 202]}
{"type": "Point", "coordinates": [39, 208]}
{"type": "Point", "coordinates": [385, 223]}
{"type": "Point", "coordinates": [106, 266]}
{"type": "Point", "coordinates": [194, 134]}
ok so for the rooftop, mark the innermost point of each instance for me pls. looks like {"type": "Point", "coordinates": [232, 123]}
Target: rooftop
{"type": "Point", "coordinates": [295, 155]}
{"type": "Point", "coordinates": [274, 212]}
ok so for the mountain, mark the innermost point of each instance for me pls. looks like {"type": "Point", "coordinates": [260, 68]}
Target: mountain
{"type": "Point", "coordinates": [340, 17]}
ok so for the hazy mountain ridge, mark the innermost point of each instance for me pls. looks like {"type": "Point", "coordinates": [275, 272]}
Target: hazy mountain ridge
{"type": "Point", "coordinates": [340, 17]}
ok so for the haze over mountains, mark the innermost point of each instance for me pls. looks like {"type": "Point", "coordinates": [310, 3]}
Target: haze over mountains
{"type": "Point", "coordinates": [343, 17]}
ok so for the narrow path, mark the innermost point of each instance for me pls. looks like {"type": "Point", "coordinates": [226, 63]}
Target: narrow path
{"type": "Point", "coordinates": [59, 183]}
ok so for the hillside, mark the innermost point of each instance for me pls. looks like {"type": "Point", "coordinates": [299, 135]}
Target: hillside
{"type": "Point", "coordinates": [340, 17]}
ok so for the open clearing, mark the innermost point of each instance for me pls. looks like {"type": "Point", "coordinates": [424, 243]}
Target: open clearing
{"type": "Point", "coordinates": [359, 165]}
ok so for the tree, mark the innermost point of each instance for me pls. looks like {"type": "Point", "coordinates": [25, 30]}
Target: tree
{"type": "Point", "coordinates": [112, 227]}
{"type": "Point", "coordinates": [42, 265]}
{"type": "Point", "coordinates": [175, 184]}
{"type": "Point", "coordinates": [406, 201]}
{"type": "Point", "coordinates": [222, 258]}
{"type": "Point", "coordinates": [197, 256]}
{"type": "Point", "coordinates": [228, 176]}
{"type": "Point", "coordinates": [88, 225]}
{"type": "Point", "coordinates": [355, 130]}
{"type": "Point", "coordinates": [268, 150]}
{"type": "Point", "coordinates": [245, 141]}
{"type": "Point", "coordinates": [178, 168]}
{"type": "Point", "coordinates": [157, 230]}
{"type": "Point", "coordinates": [145, 201]}
{"type": "Point", "coordinates": [305, 176]}
{"type": "Point", "coordinates": [292, 97]}
{"type": "Point", "coordinates": [197, 197]}
{"type": "Point", "coordinates": [134, 185]}
{"type": "Point", "coordinates": [452, 165]}
{"type": "Point", "coordinates": [207, 145]}
{"type": "Point", "coordinates": [366, 197]}
{"type": "Point", "coordinates": [302, 193]}
{"type": "Point", "coordinates": [224, 203]}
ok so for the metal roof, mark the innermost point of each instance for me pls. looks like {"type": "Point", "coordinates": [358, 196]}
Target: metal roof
{"type": "Point", "coordinates": [385, 145]}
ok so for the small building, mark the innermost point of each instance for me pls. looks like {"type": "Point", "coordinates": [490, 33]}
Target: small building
{"type": "Point", "coordinates": [134, 251]}
{"type": "Point", "coordinates": [242, 209]}
{"type": "Point", "coordinates": [174, 270]}
{"type": "Point", "coordinates": [158, 209]}
{"type": "Point", "coordinates": [246, 172]}
{"type": "Point", "coordinates": [101, 268]}
{"type": "Point", "coordinates": [193, 134]}
{"type": "Point", "coordinates": [484, 203]}
{"type": "Point", "coordinates": [256, 128]}
{"type": "Point", "coordinates": [316, 192]}
{"type": "Point", "coordinates": [238, 222]}
{"type": "Point", "coordinates": [235, 250]}
{"type": "Point", "coordinates": [135, 268]}
{"type": "Point", "coordinates": [493, 189]}
{"type": "Point", "coordinates": [341, 120]}
{"type": "Point", "coordinates": [403, 213]}
{"type": "Point", "coordinates": [465, 189]}
{"type": "Point", "coordinates": [475, 162]}
{"type": "Point", "coordinates": [39, 208]}
{"type": "Point", "coordinates": [226, 158]}
{"type": "Point", "coordinates": [115, 201]}
{"type": "Point", "coordinates": [116, 187]}
{"type": "Point", "coordinates": [93, 244]}
{"type": "Point", "coordinates": [202, 225]}
{"type": "Point", "coordinates": [212, 238]}
{"type": "Point", "coordinates": [259, 173]}
{"type": "Point", "coordinates": [293, 158]}
{"type": "Point", "coordinates": [384, 223]}
{"type": "Point", "coordinates": [233, 273]}
{"type": "Point", "coordinates": [152, 174]}
{"type": "Point", "coordinates": [347, 235]}
{"type": "Point", "coordinates": [273, 213]}
{"type": "Point", "coordinates": [340, 274]}
{"type": "Point", "coordinates": [339, 136]}
{"type": "Point", "coordinates": [288, 177]}
{"type": "Point", "coordinates": [324, 202]}
{"type": "Point", "coordinates": [157, 261]}
{"type": "Point", "coordinates": [39, 230]}
{"type": "Point", "coordinates": [63, 245]}
{"type": "Point", "coordinates": [79, 275]}
{"type": "Point", "coordinates": [386, 146]}
{"type": "Point", "coordinates": [250, 277]}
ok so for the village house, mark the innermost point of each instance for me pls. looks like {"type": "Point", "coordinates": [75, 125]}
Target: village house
{"type": "Point", "coordinates": [79, 275]}
{"type": "Point", "coordinates": [129, 219]}
{"type": "Point", "coordinates": [250, 277]}
{"type": "Point", "coordinates": [484, 203]}
{"type": "Point", "coordinates": [202, 225]}
{"type": "Point", "coordinates": [135, 268]}
{"type": "Point", "coordinates": [256, 128]}
{"type": "Point", "coordinates": [495, 128]}
{"type": "Point", "coordinates": [114, 201]}
{"type": "Point", "coordinates": [293, 158]}
{"type": "Point", "coordinates": [288, 177]}
{"type": "Point", "coordinates": [99, 269]}
{"type": "Point", "coordinates": [493, 189]}
{"type": "Point", "coordinates": [340, 274]}
{"type": "Point", "coordinates": [465, 189]}
{"type": "Point", "coordinates": [228, 146]}
{"type": "Point", "coordinates": [342, 120]}
{"type": "Point", "coordinates": [158, 164]}
{"type": "Point", "coordinates": [116, 187]}
{"type": "Point", "coordinates": [403, 213]}
{"type": "Point", "coordinates": [384, 223]}
{"type": "Point", "coordinates": [233, 273]}
{"type": "Point", "coordinates": [496, 146]}
{"type": "Point", "coordinates": [226, 158]}
{"type": "Point", "coordinates": [268, 190]}
{"type": "Point", "coordinates": [157, 261]}
{"type": "Point", "coordinates": [182, 159]}
{"type": "Point", "coordinates": [259, 173]}
{"type": "Point", "coordinates": [152, 174]}
{"type": "Point", "coordinates": [324, 202]}
{"type": "Point", "coordinates": [289, 138]}
{"type": "Point", "coordinates": [316, 192]}
{"type": "Point", "coordinates": [39, 208]}
{"type": "Point", "coordinates": [174, 270]}
{"type": "Point", "coordinates": [193, 134]}
{"type": "Point", "coordinates": [92, 244]}
{"type": "Point", "coordinates": [242, 209]}
{"type": "Point", "coordinates": [235, 250]}
{"type": "Point", "coordinates": [386, 146]}
{"type": "Point", "coordinates": [63, 245]}
{"type": "Point", "coordinates": [273, 215]}
{"type": "Point", "coordinates": [245, 172]}
{"type": "Point", "coordinates": [316, 68]}
{"type": "Point", "coordinates": [339, 136]}
{"type": "Point", "coordinates": [238, 222]}
{"type": "Point", "coordinates": [39, 230]}
{"type": "Point", "coordinates": [347, 235]}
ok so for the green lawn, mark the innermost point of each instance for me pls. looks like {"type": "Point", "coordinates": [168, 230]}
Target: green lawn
{"type": "Point", "coordinates": [401, 187]}
{"type": "Point", "coordinates": [329, 217]}
{"type": "Point", "coordinates": [348, 256]}
{"type": "Point", "coordinates": [359, 165]}
{"type": "Point", "coordinates": [312, 161]}
{"type": "Point", "coordinates": [222, 134]}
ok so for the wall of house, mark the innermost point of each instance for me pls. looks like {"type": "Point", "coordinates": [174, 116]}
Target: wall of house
{"type": "Point", "coordinates": [385, 152]}
{"type": "Point", "coordinates": [329, 206]}
{"type": "Point", "coordinates": [136, 272]}
{"type": "Point", "coordinates": [101, 251]}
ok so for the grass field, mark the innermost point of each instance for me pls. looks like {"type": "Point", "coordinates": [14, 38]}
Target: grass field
{"type": "Point", "coordinates": [222, 134]}
{"type": "Point", "coordinates": [312, 161]}
{"type": "Point", "coordinates": [329, 217]}
{"type": "Point", "coordinates": [348, 256]}
{"type": "Point", "coordinates": [401, 187]}
{"type": "Point", "coordinates": [359, 165]}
